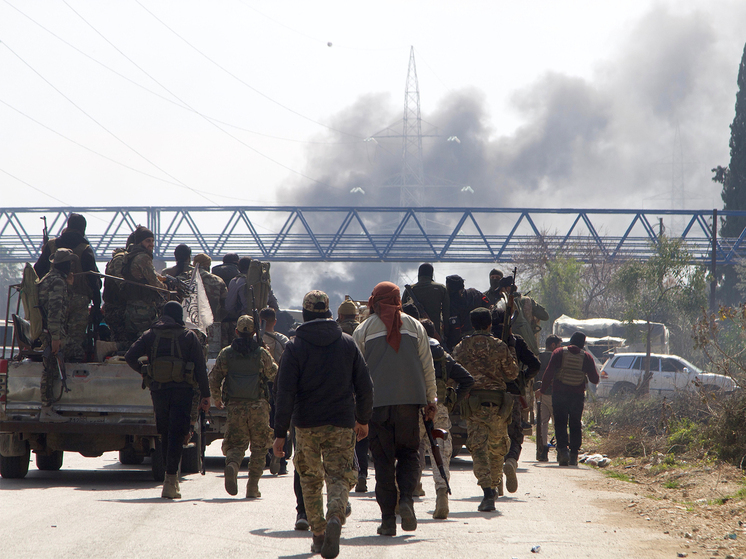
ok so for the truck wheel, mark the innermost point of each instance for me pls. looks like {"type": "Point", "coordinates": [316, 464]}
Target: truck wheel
{"type": "Point", "coordinates": [158, 465]}
{"type": "Point", "coordinates": [49, 462]}
{"type": "Point", "coordinates": [622, 390]}
{"type": "Point", "coordinates": [190, 458]}
{"type": "Point", "coordinates": [15, 467]}
{"type": "Point", "coordinates": [129, 457]}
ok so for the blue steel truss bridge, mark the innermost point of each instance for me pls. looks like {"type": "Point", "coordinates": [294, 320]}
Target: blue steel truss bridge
{"type": "Point", "coordinates": [382, 234]}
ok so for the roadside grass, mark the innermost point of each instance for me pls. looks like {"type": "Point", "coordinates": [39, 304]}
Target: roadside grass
{"type": "Point", "coordinates": [618, 475]}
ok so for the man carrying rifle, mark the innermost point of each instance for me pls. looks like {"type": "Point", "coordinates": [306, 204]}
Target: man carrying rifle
{"type": "Point", "coordinates": [447, 373]}
{"type": "Point", "coordinates": [54, 299]}
{"type": "Point", "coordinates": [431, 299]}
{"type": "Point", "coordinates": [85, 289]}
{"type": "Point", "coordinates": [488, 408]}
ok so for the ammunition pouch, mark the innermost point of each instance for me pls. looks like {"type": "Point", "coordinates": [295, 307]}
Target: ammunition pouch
{"type": "Point", "coordinates": [168, 368]}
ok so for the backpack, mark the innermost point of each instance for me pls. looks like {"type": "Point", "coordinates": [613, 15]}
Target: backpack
{"type": "Point", "coordinates": [258, 278]}
{"type": "Point", "coordinates": [80, 284]}
{"type": "Point", "coordinates": [30, 300]}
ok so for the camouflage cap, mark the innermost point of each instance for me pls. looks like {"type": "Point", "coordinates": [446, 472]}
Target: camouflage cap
{"type": "Point", "coordinates": [316, 301]}
{"type": "Point", "coordinates": [245, 324]}
{"type": "Point", "coordinates": [61, 255]}
{"type": "Point", "coordinates": [203, 260]}
{"type": "Point", "coordinates": [347, 307]}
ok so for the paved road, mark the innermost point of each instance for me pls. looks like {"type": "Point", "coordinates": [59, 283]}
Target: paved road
{"type": "Point", "coordinates": [96, 507]}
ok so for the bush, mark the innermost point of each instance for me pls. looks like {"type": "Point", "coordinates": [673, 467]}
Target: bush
{"type": "Point", "coordinates": [726, 432]}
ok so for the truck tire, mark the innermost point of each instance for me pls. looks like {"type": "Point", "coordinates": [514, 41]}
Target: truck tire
{"type": "Point", "coordinates": [49, 462]}
{"type": "Point", "coordinates": [190, 458]}
{"type": "Point", "coordinates": [158, 465]}
{"type": "Point", "coordinates": [622, 390]}
{"type": "Point", "coordinates": [15, 467]}
{"type": "Point", "coordinates": [129, 457]}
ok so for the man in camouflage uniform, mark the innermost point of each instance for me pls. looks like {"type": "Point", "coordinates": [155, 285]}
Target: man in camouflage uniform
{"type": "Point", "coordinates": [54, 299]}
{"type": "Point", "coordinates": [488, 408]}
{"type": "Point", "coordinates": [115, 306]}
{"type": "Point", "coordinates": [216, 292]}
{"type": "Point", "coordinates": [142, 303]}
{"type": "Point", "coordinates": [325, 388]}
{"type": "Point", "coordinates": [85, 289]}
{"type": "Point", "coordinates": [238, 381]}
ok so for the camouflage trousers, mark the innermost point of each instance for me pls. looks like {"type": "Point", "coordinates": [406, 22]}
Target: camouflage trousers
{"type": "Point", "coordinates": [248, 423]}
{"type": "Point", "coordinates": [138, 317]}
{"type": "Point", "coordinates": [77, 322]}
{"type": "Point", "coordinates": [325, 453]}
{"type": "Point", "coordinates": [487, 441]}
{"type": "Point", "coordinates": [227, 332]}
{"type": "Point", "coordinates": [213, 340]}
{"type": "Point", "coordinates": [442, 420]}
{"type": "Point", "coordinates": [114, 317]}
{"type": "Point", "coordinates": [49, 375]}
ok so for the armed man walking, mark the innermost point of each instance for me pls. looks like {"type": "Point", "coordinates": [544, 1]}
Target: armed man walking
{"type": "Point", "coordinates": [568, 371]}
{"type": "Point", "coordinates": [325, 389]}
{"type": "Point", "coordinates": [397, 351]}
{"type": "Point", "coordinates": [86, 288]}
{"type": "Point", "coordinates": [238, 381]}
{"type": "Point", "coordinates": [175, 369]}
{"type": "Point", "coordinates": [488, 408]}
{"type": "Point", "coordinates": [544, 401]}
{"type": "Point", "coordinates": [54, 299]}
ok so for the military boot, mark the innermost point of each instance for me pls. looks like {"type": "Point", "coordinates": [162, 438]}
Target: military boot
{"type": "Point", "coordinates": [362, 485]}
{"type": "Point", "coordinates": [563, 457]}
{"type": "Point", "coordinates": [420, 491]}
{"type": "Point", "coordinates": [317, 543]}
{"type": "Point", "coordinates": [441, 504]}
{"type": "Point", "coordinates": [573, 458]}
{"type": "Point", "coordinates": [330, 547]}
{"type": "Point", "coordinates": [488, 502]}
{"type": "Point", "coordinates": [500, 492]}
{"type": "Point", "coordinates": [171, 487]}
{"type": "Point", "coordinates": [408, 518]}
{"type": "Point", "coordinates": [252, 488]}
{"type": "Point", "coordinates": [511, 479]}
{"type": "Point", "coordinates": [542, 454]}
{"type": "Point", "coordinates": [231, 478]}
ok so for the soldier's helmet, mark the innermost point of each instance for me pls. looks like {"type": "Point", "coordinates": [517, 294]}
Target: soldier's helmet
{"type": "Point", "coordinates": [245, 324]}
{"type": "Point", "coordinates": [62, 255]}
{"type": "Point", "coordinates": [316, 301]}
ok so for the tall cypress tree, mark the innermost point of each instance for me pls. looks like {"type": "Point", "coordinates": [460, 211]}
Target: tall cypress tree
{"type": "Point", "coordinates": [734, 177]}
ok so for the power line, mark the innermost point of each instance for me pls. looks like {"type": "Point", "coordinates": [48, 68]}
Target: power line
{"type": "Point", "coordinates": [32, 186]}
{"type": "Point", "coordinates": [163, 97]}
{"type": "Point", "coordinates": [251, 87]}
{"type": "Point", "coordinates": [50, 84]}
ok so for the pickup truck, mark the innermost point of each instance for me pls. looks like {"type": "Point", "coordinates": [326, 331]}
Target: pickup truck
{"type": "Point", "coordinates": [107, 410]}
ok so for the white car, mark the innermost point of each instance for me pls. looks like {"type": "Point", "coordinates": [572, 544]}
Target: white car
{"type": "Point", "coordinates": [671, 373]}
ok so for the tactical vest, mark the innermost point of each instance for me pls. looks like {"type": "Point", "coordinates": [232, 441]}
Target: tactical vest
{"type": "Point", "coordinates": [244, 380]}
{"type": "Point", "coordinates": [80, 284]}
{"type": "Point", "coordinates": [571, 370]}
{"type": "Point", "coordinates": [172, 367]}
{"type": "Point", "coordinates": [112, 292]}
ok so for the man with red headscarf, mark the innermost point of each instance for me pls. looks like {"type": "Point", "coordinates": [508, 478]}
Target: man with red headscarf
{"type": "Point", "coordinates": [397, 350]}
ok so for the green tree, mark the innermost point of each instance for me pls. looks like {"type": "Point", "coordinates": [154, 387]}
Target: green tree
{"type": "Point", "coordinates": [559, 288]}
{"type": "Point", "coordinates": [667, 288]}
{"type": "Point", "coordinates": [733, 179]}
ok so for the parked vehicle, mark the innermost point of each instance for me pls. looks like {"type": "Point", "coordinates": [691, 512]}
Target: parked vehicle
{"type": "Point", "coordinates": [621, 374]}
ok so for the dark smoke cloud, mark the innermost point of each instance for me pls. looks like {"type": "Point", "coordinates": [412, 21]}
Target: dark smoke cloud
{"type": "Point", "coordinates": [608, 141]}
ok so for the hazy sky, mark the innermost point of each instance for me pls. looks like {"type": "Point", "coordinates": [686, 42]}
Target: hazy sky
{"type": "Point", "coordinates": [240, 102]}
{"type": "Point", "coordinates": [172, 103]}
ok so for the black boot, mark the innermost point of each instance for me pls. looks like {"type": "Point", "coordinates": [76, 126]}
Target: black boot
{"type": "Point", "coordinates": [563, 457]}
{"type": "Point", "coordinates": [488, 502]}
{"type": "Point", "coordinates": [542, 454]}
{"type": "Point", "coordinates": [573, 458]}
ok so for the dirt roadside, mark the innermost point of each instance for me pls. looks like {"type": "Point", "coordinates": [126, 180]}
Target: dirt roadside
{"type": "Point", "coordinates": [700, 504]}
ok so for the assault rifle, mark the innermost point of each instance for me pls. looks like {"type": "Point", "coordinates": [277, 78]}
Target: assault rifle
{"type": "Point", "coordinates": [432, 434]}
{"type": "Point", "coordinates": [408, 290]}
{"type": "Point", "coordinates": [509, 308]}
{"type": "Point", "coordinates": [45, 232]}
{"type": "Point", "coordinates": [59, 360]}
{"type": "Point", "coordinates": [255, 316]}
{"type": "Point", "coordinates": [117, 278]}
